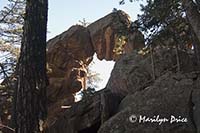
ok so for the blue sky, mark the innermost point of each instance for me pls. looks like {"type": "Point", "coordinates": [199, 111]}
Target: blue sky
{"type": "Point", "coordinates": [65, 13]}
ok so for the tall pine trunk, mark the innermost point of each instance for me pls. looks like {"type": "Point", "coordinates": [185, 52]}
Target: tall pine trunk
{"type": "Point", "coordinates": [30, 104]}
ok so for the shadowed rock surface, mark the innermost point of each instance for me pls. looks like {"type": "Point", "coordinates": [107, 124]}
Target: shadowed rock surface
{"type": "Point", "coordinates": [172, 95]}
{"type": "Point", "coordinates": [135, 41]}
{"type": "Point", "coordinates": [133, 71]}
{"type": "Point", "coordinates": [86, 115]}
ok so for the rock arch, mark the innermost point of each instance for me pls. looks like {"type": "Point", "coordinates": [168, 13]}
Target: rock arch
{"type": "Point", "coordinates": [69, 53]}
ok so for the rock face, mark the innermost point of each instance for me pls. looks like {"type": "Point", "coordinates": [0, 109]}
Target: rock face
{"type": "Point", "coordinates": [133, 71]}
{"type": "Point", "coordinates": [105, 31]}
{"type": "Point", "coordinates": [168, 104]}
{"type": "Point", "coordinates": [69, 54]}
{"type": "Point", "coordinates": [85, 116]}
{"type": "Point", "coordinates": [135, 41]}
{"type": "Point", "coordinates": [171, 96]}
{"type": "Point", "coordinates": [132, 102]}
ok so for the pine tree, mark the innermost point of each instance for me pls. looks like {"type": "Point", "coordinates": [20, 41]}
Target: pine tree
{"type": "Point", "coordinates": [11, 22]}
{"type": "Point", "coordinates": [30, 99]}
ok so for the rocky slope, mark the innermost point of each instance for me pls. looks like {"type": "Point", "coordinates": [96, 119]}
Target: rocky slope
{"type": "Point", "coordinates": [170, 103]}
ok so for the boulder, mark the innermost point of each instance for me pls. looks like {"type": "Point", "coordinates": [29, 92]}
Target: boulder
{"type": "Point", "coordinates": [105, 31]}
{"type": "Point", "coordinates": [75, 43]}
{"type": "Point", "coordinates": [167, 105]}
{"type": "Point", "coordinates": [134, 71]}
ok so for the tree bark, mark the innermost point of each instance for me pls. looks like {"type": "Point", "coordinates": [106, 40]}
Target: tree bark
{"type": "Point", "coordinates": [30, 104]}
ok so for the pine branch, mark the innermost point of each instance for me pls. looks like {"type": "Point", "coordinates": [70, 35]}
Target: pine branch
{"type": "Point", "coordinates": [8, 13]}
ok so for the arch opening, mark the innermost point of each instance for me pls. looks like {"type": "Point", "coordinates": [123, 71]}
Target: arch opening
{"type": "Point", "coordinates": [102, 69]}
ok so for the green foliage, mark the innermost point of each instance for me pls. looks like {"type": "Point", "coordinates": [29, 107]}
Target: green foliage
{"type": "Point", "coordinates": [120, 42]}
{"type": "Point", "coordinates": [164, 23]}
{"type": "Point", "coordinates": [83, 22]}
{"type": "Point", "coordinates": [11, 23]}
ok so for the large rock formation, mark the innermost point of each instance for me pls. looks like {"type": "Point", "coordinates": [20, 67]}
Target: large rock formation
{"type": "Point", "coordinates": [172, 94]}
{"type": "Point", "coordinates": [69, 54]}
{"type": "Point", "coordinates": [147, 105]}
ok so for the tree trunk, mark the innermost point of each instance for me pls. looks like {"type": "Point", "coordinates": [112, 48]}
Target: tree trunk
{"type": "Point", "coordinates": [30, 104]}
{"type": "Point", "coordinates": [193, 16]}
